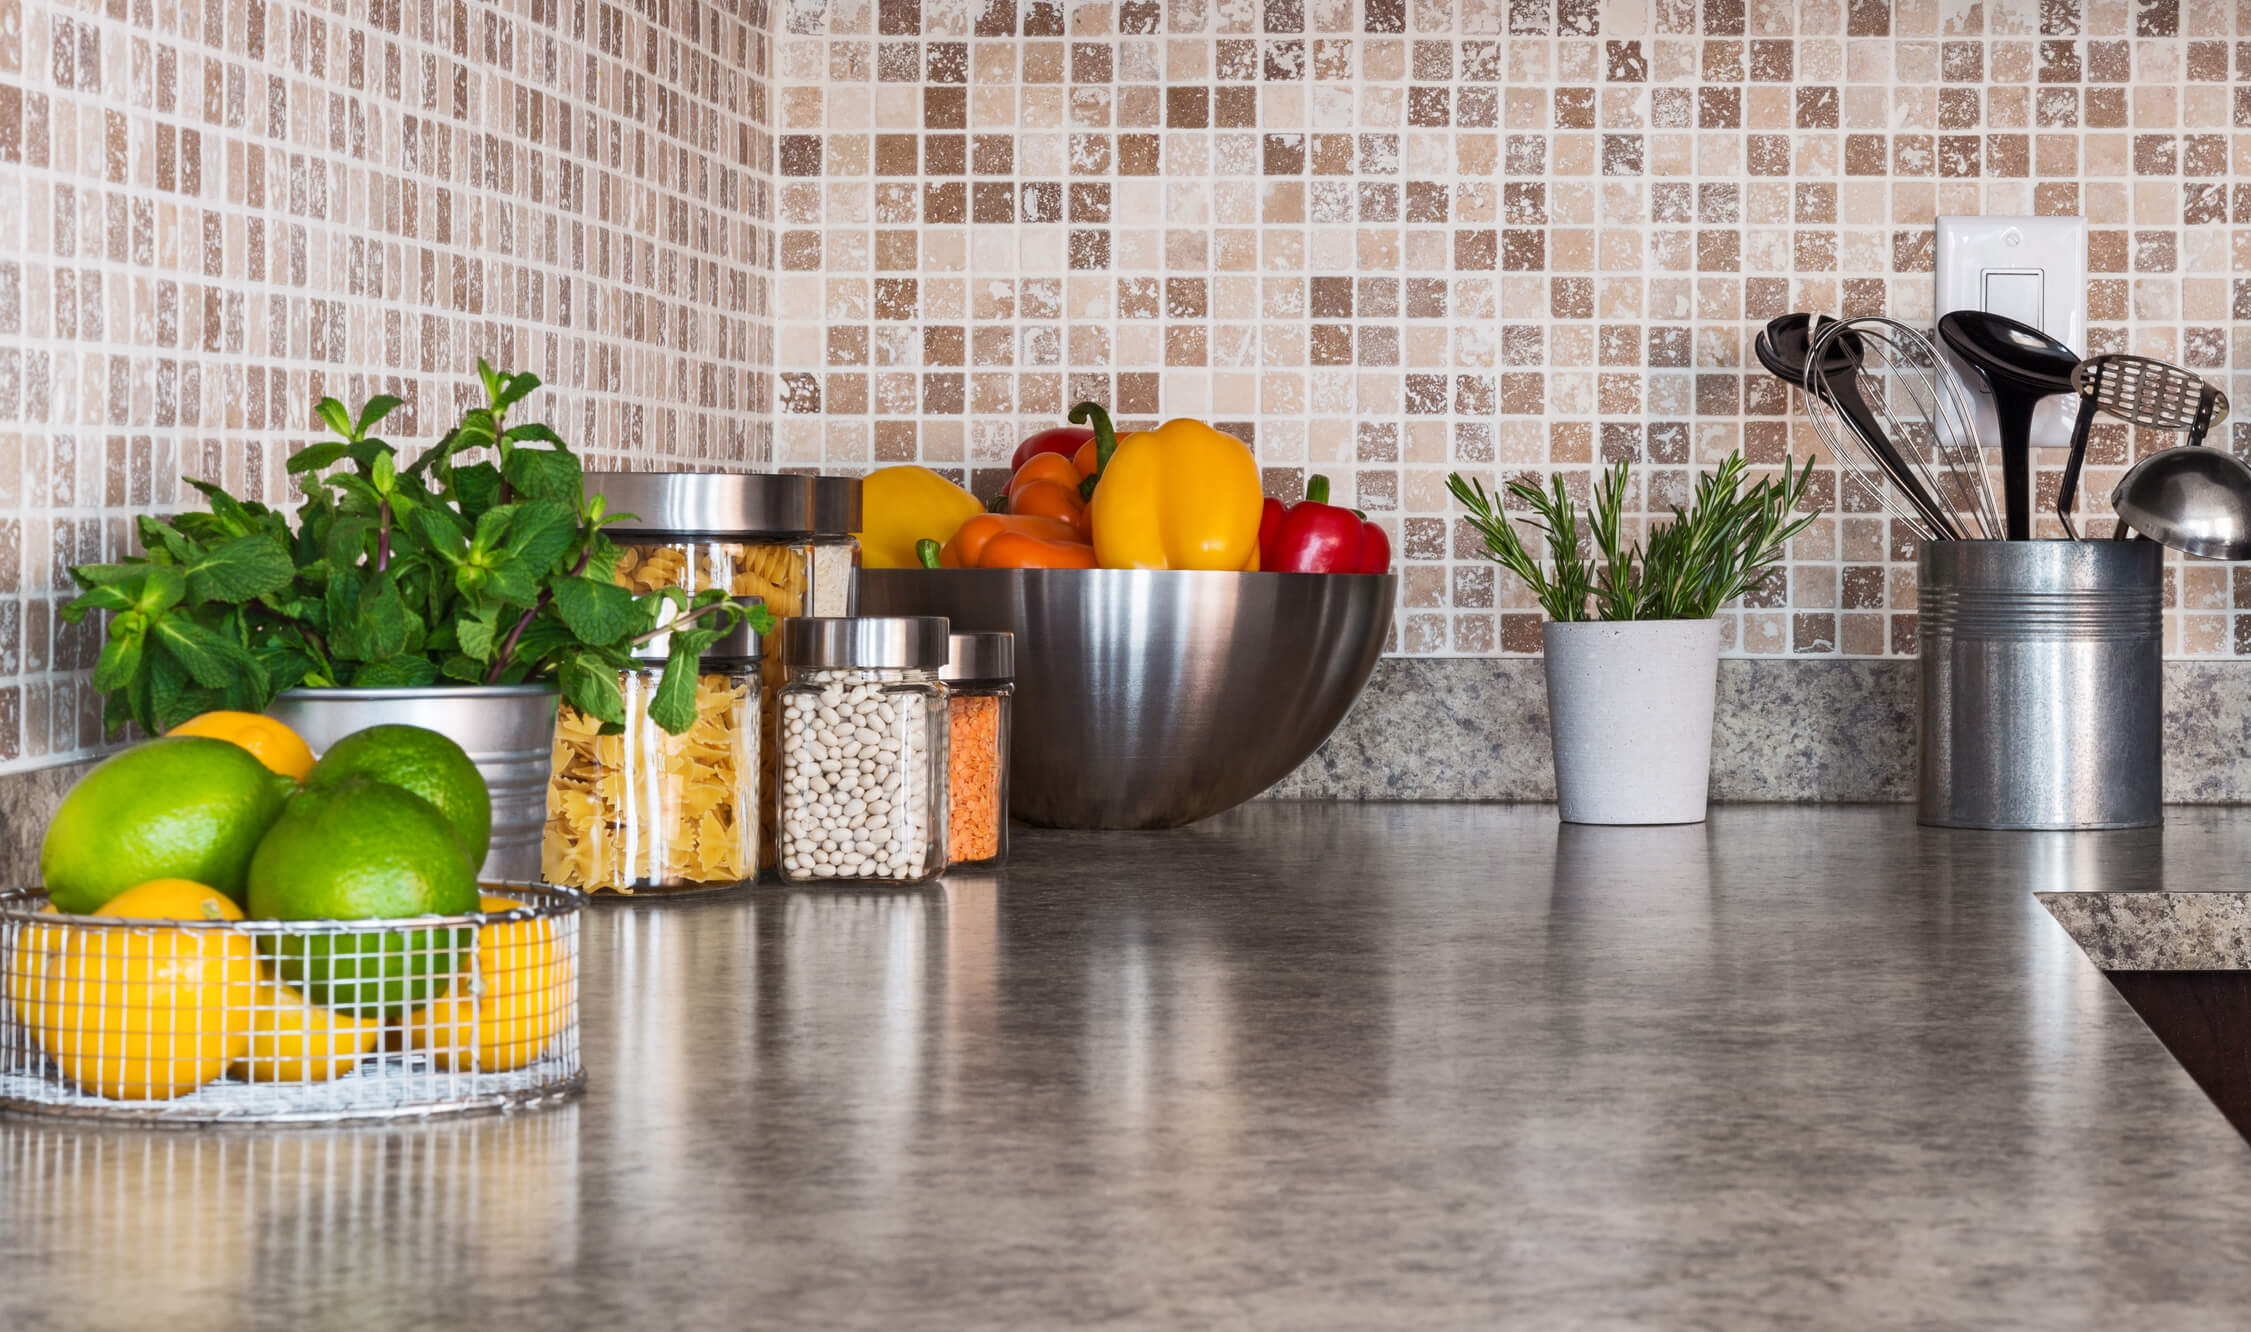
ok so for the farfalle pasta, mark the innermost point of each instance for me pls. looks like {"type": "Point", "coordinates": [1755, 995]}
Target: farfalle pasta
{"type": "Point", "coordinates": [645, 809]}
{"type": "Point", "coordinates": [793, 579]}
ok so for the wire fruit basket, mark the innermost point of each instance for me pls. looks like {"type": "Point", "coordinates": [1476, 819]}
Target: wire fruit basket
{"type": "Point", "coordinates": [268, 1021]}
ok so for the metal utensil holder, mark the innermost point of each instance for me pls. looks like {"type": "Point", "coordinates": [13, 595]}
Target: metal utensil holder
{"type": "Point", "coordinates": [2042, 684]}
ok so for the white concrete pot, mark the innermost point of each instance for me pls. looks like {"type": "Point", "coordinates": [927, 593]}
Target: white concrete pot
{"type": "Point", "coordinates": [1630, 710]}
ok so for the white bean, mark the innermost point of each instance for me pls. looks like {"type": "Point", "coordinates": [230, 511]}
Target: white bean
{"type": "Point", "coordinates": [856, 777]}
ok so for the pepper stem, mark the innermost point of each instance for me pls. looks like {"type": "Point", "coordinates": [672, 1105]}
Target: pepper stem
{"type": "Point", "coordinates": [1105, 441]}
{"type": "Point", "coordinates": [926, 550]}
{"type": "Point", "coordinates": [1317, 489]}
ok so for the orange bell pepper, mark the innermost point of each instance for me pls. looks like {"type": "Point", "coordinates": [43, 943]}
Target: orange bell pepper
{"type": "Point", "coordinates": [1047, 486]}
{"type": "Point", "coordinates": [1015, 550]}
{"type": "Point", "coordinates": [967, 548]}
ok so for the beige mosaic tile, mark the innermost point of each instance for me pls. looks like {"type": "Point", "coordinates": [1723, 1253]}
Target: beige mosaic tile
{"type": "Point", "coordinates": [1391, 239]}
{"type": "Point", "coordinates": [212, 215]}
{"type": "Point", "coordinates": [1380, 240]}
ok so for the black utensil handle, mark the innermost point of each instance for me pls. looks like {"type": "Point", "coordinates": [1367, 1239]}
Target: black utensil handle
{"type": "Point", "coordinates": [2204, 404]}
{"type": "Point", "coordinates": [2016, 463]}
{"type": "Point", "coordinates": [2068, 491]}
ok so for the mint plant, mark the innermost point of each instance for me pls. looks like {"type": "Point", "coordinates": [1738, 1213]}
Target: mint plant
{"type": "Point", "coordinates": [479, 562]}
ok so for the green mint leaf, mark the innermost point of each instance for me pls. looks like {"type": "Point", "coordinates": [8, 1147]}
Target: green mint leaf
{"type": "Point", "coordinates": [673, 707]}
{"type": "Point", "coordinates": [476, 488]}
{"type": "Point", "coordinates": [598, 611]}
{"type": "Point", "coordinates": [348, 539]}
{"type": "Point", "coordinates": [233, 517]}
{"type": "Point", "coordinates": [356, 489]}
{"type": "Point", "coordinates": [492, 529]}
{"type": "Point", "coordinates": [287, 665]}
{"type": "Point", "coordinates": [173, 696]}
{"type": "Point", "coordinates": [212, 660]}
{"type": "Point", "coordinates": [397, 673]}
{"type": "Point", "coordinates": [378, 407]}
{"type": "Point", "coordinates": [121, 656]}
{"type": "Point", "coordinates": [111, 597]}
{"type": "Point", "coordinates": [514, 581]}
{"type": "Point", "coordinates": [165, 588]}
{"type": "Point", "coordinates": [534, 432]}
{"type": "Point", "coordinates": [591, 686]}
{"type": "Point", "coordinates": [384, 471]}
{"type": "Point", "coordinates": [342, 607]}
{"type": "Point", "coordinates": [106, 575]}
{"type": "Point", "coordinates": [543, 533]}
{"type": "Point", "coordinates": [333, 415]}
{"type": "Point", "coordinates": [547, 474]}
{"type": "Point", "coordinates": [479, 632]}
{"type": "Point", "coordinates": [314, 457]}
{"type": "Point", "coordinates": [385, 628]}
{"type": "Point", "coordinates": [545, 638]}
{"type": "Point", "coordinates": [239, 570]}
{"type": "Point", "coordinates": [492, 379]}
{"type": "Point", "coordinates": [515, 388]}
{"type": "Point", "coordinates": [160, 537]}
{"type": "Point", "coordinates": [458, 667]}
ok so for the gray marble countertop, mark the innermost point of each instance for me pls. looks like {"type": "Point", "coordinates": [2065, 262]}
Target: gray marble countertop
{"type": "Point", "coordinates": [1303, 1066]}
{"type": "Point", "coordinates": [2195, 930]}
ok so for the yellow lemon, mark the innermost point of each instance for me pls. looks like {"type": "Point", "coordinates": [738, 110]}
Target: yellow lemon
{"type": "Point", "coordinates": [505, 1018]}
{"type": "Point", "coordinates": [270, 742]}
{"type": "Point", "coordinates": [26, 968]}
{"type": "Point", "coordinates": [147, 1013]}
{"type": "Point", "coordinates": [293, 1039]}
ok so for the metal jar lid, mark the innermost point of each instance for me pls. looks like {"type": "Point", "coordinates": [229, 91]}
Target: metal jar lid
{"type": "Point", "coordinates": [985, 655]}
{"type": "Point", "coordinates": [883, 642]}
{"type": "Point", "coordinates": [727, 504]}
{"type": "Point", "coordinates": [741, 643]}
{"type": "Point", "coordinates": [834, 505]}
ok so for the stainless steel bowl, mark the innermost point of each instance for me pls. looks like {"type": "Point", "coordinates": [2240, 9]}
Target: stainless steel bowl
{"type": "Point", "coordinates": [1149, 699]}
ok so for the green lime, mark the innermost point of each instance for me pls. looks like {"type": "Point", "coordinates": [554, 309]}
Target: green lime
{"type": "Point", "coordinates": [424, 762]}
{"type": "Point", "coordinates": [186, 808]}
{"type": "Point", "coordinates": [359, 849]}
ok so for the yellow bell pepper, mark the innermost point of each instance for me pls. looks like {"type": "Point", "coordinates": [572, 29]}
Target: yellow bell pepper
{"type": "Point", "coordinates": [1182, 496]}
{"type": "Point", "coordinates": [902, 505]}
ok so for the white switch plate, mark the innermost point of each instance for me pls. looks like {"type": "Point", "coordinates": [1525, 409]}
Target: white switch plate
{"type": "Point", "coordinates": [2032, 269]}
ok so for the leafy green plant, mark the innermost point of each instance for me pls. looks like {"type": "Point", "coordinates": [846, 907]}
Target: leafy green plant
{"type": "Point", "coordinates": [489, 571]}
{"type": "Point", "coordinates": [1724, 545]}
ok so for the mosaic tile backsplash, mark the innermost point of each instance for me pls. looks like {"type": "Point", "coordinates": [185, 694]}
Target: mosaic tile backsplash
{"type": "Point", "coordinates": [215, 212]}
{"type": "Point", "coordinates": [1380, 240]}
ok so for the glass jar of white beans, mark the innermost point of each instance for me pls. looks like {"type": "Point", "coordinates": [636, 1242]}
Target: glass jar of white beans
{"type": "Point", "coordinates": [861, 790]}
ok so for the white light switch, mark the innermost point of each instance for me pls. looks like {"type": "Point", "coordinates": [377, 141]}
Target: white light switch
{"type": "Point", "coordinates": [2015, 293]}
{"type": "Point", "coordinates": [2032, 269]}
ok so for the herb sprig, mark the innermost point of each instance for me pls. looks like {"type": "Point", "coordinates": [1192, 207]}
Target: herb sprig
{"type": "Point", "coordinates": [491, 571]}
{"type": "Point", "coordinates": [1725, 543]}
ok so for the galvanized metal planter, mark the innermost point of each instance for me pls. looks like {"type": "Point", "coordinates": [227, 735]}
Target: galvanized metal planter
{"type": "Point", "coordinates": [509, 731]}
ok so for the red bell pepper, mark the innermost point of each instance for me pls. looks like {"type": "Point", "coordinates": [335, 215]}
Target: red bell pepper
{"type": "Point", "coordinates": [1315, 536]}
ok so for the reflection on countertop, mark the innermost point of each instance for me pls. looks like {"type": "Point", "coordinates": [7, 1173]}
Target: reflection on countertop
{"type": "Point", "coordinates": [1303, 1065]}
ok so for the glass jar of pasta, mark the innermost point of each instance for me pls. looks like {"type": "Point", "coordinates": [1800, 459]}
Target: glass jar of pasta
{"type": "Point", "coordinates": [785, 538]}
{"type": "Point", "coordinates": [649, 811]}
{"type": "Point", "coordinates": [980, 678]}
{"type": "Point", "coordinates": [862, 793]}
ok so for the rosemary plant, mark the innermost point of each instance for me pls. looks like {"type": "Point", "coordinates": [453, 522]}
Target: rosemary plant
{"type": "Point", "coordinates": [1725, 543]}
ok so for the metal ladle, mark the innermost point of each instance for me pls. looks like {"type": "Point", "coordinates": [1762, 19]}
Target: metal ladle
{"type": "Point", "coordinates": [2194, 500]}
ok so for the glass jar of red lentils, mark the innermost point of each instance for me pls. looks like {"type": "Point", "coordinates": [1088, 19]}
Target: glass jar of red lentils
{"type": "Point", "coordinates": [980, 678]}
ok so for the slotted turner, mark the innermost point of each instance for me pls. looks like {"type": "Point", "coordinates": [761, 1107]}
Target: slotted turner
{"type": "Point", "coordinates": [2139, 391]}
